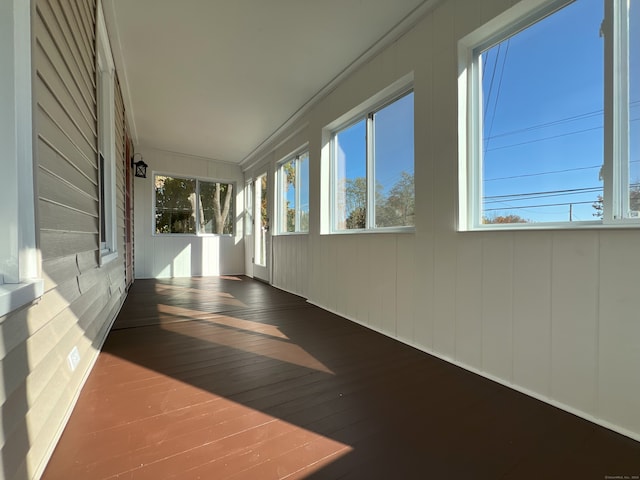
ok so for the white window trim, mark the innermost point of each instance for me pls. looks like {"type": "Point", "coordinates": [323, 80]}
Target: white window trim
{"type": "Point", "coordinates": [388, 95]}
{"type": "Point", "coordinates": [107, 137]}
{"type": "Point", "coordinates": [281, 179]}
{"type": "Point", "coordinates": [509, 22]}
{"type": "Point", "coordinates": [19, 276]}
{"type": "Point", "coordinates": [197, 192]}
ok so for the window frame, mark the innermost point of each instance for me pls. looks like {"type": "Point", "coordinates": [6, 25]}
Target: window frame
{"type": "Point", "coordinates": [281, 192]}
{"type": "Point", "coordinates": [105, 93]}
{"type": "Point", "coordinates": [198, 180]}
{"type": "Point", "coordinates": [366, 112]}
{"type": "Point", "coordinates": [20, 282]}
{"type": "Point", "coordinates": [615, 159]}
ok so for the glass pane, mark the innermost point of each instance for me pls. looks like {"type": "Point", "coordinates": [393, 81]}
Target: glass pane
{"type": "Point", "coordinates": [303, 165]}
{"type": "Point", "coordinates": [350, 210]}
{"type": "Point", "coordinates": [542, 120]}
{"type": "Point", "coordinates": [175, 199]}
{"type": "Point", "coordinates": [634, 109]}
{"type": "Point", "coordinates": [216, 208]}
{"type": "Point", "coordinates": [393, 160]}
{"type": "Point", "coordinates": [288, 179]}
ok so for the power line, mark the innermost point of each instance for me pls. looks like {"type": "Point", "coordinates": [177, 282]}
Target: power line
{"type": "Point", "coordinates": [582, 116]}
{"type": "Point", "coordinates": [538, 206]}
{"type": "Point", "coordinates": [493, 75]}
{"type": "Point", "coordinates": [543, 194]}
{"type": "Point", "coordinates": [542, 173]}
{"type": "Point", "coordinates": [544, 138]}
{"type": "Point", "coordinates": [495, 103]}
{"type": "Point", "coordinates": [550, 172]}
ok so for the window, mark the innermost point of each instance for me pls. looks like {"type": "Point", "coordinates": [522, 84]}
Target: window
{"type": "Point", "coordinates": [552, 121]}
{"type": "Point", "coordinates": [192, 206]}
{"type": "Point", "coordinates": [373, 168]}
{"type": "Point", "coordinates": [293, 198]}
{"type": "Point", "coordinates": [106, 144]}
{"type": "Point", "coordinates": [19, 258]}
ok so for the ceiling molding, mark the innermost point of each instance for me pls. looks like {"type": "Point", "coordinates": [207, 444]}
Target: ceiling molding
{"type": "Point", "coordinates": [273, 147]}
{"type": "Point", "coordinates": [148, 148]}
{"type": "Point", "coordinates": [397, 31]}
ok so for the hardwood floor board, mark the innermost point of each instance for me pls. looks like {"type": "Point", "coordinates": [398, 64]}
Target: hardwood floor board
{"type": "Point", "coordinates": [230, 453]}
{"type": "Point", "coordinates": [281, 462]}
{"type": "Point", "coordinates": [248, 458]}
{"type": "Point", "coordinates": [173, 446]}
{"type": "Point", "coordinates": [125, 438]}
{"type": "Point", "coordinates": [219, 378]}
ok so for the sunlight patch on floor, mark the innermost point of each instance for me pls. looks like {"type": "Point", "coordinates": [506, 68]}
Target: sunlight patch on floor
{"type": "Point", "coordinates": [248, 340]}
{"type": "Point", "coordinates": [183, 431]}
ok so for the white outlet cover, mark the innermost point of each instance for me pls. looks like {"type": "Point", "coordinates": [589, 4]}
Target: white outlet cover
{"type": "Point", "coordinates": [73, 359]}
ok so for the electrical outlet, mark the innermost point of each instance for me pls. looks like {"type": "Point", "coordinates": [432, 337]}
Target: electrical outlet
{"type": "Point", "coordinates": [73, 359]}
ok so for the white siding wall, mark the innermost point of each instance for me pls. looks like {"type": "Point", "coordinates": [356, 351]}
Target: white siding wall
{"type": "Point", "coordinates": [551, 313]}
{"type": "Point", "coordinates": [81, 297]}
{"type": "Point", "coordinates": [165, 256]}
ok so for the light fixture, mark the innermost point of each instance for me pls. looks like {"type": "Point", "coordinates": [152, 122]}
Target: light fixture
{"type": "Point", "coordinates": [140, 168]}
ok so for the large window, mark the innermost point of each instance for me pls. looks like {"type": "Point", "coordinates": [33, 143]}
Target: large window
{"type": "Point", "coordinates": [190, 206]}
{"type": "Point", "coordinates": [373, 168]}
{"type": "Point", "coordinates": [293, 194]}
{"type": "Point", "coordinates": [552, 121]}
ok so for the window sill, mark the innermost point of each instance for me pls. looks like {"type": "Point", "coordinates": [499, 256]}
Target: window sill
{"type": "Point", "coordinates": [16, 295]}
{"type": "Point", "coordinates": [622, 225]}
{"type": "Point", "coordinates": [107, 257]}
{"type": "Point", "coordinates": [385, 230]}
{"type": "Point", "coordinates": [192, 235]}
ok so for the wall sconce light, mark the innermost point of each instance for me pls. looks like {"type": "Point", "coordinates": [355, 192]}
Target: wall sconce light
{"type": "Point", "coordinates": [140, 168]}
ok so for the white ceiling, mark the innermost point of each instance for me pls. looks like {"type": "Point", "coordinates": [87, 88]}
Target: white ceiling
{"type": "Point", "coordinates": [216, 78]}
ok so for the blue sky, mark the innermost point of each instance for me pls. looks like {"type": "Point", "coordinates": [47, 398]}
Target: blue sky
{"type": "Point", "coordinates": [394, 145]}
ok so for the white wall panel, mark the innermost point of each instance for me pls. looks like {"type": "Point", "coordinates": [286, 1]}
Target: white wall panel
{"type": "Point", "coordinates": [339, 287]}
{"type": "Point", "coordinates": [619, 329]}
{"type": "Point", "coordinates": [405, 287]}
{"type": "Point", "coordinates": [532, 311]}
{"type": "Point", "coordinates": [425, 291]}
{"type": "Point", "coordinates": [574, 310]}
{"type": "Point", "coordinates": [444, 297]}
{"type": "Point", "coordinates": [383, 280]}
{"type": "Point", "coordinates": [362, 287]}
{"type": "Point", "coordinates": [497, 304]}
{"type": "Point", "coordinates": [351, 267]}
{"type": "Point", "coordinates": [469, 301]}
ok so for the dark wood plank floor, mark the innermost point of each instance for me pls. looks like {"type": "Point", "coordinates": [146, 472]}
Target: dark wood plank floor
{"type": "Point", "coordinates": [217, 378]}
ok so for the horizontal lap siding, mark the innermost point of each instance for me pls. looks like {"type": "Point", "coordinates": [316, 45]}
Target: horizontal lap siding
{"type": "Point", "coordinates": [81, 298]}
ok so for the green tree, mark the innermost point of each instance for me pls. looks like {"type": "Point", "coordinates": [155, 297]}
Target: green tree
{"type": "Point", "coordinates": [356, 202]}
{"type": "Point", "coordinates": [398, 207]}
{"type": "Point", "coordinates": [504, 219]}
{"type": "Point", "coordinates": [216, 207]}
{"type": "Point", "coordinates": [634, 201]}
{"type": "Point", "coordinates": [174, 205]}
{"type": "Point", "coordinates": [290, 172]}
